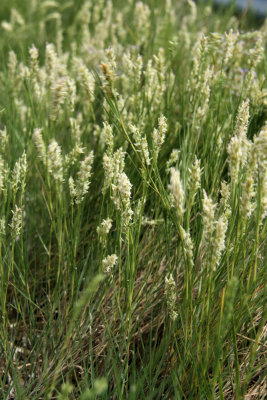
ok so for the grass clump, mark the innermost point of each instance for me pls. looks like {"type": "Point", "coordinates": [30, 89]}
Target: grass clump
{"type": "Point", "coordinates": [133, 187]}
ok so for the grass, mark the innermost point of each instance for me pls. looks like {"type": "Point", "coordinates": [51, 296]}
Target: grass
{"type": "Point", "coordinates": [132, 201]}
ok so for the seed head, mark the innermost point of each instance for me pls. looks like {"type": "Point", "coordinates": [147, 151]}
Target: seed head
{"type": "Point", "coordinates": [39, 143]}
{"type": "Point", "coordinates": [170, 294]}
{"type": "Point", "coordinates": [194, 179]}
{"type": "Point", "coordinates": [2, 226]}
{"type": "Point", "coordinates": [230, 41]}
{"type": "Point", "coordinates": [19, 174]}
{"type": "Point", "coordinates": [172, 160]}
{"type": "Point", "coordinates": [208, 219]}
{"type": "Point", "coordinates": [83, 177]}
{"type": "Point", "coordinates": [34, 64]}
{"type": "Point", "coordinates": [188, 246]}
{"type": "Point", "coordinates": [50, 62]}
{"type": "Point", "coordinates": [55, 161]}
{"type": "Point", "coordinates": [108, 137]}
{"type": "Point", "coordinates": [177, 191]}
{"type": "Point", "coordinates": [158, 135]}
{"type": "Point", "coordinates": [59, 92]}
{"type": "Point", "coordinates": [16, 223]}
{"type": "Point", "coordinates": [247, 195]}
{"type": "Point", "coordinates": [219, 240]}
{"type": "Point", "coordinates": [105, 227]}
{"type": "Point", "coordinates": [140, 143]}
{"type": "Point", "coordinates": [109, 263]}
{"type": "Point", "coordinates": [235, 153]}
{"type": "Point", "coordinates": [3, 140]}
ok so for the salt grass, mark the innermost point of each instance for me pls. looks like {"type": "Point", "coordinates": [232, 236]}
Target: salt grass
{"type": "Point", "coordinates": [132, 201]}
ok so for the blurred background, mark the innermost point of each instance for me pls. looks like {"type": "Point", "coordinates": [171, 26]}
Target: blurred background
{"type": "Point", "coordinates": [257, 6]}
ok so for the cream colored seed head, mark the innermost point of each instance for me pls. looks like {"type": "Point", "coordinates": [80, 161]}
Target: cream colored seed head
{"type": "Point", "coordinates": [16, 18]}
{"type": "Point", "coordinates": [83, 177]}
{"type": "Point", "coordinates": [162, 125]}
{"type": "Point", "coordinates": [72, 189]}
{"type": "Point", "coordinates": [173, 159]}
{"type": "Point", "coordinates": [119, 162]}
{"type": "Point", "coordinates": [142, 20]}
{"type": "Point", "coordinates": [108, 165]}
{"type": "Point", "coordinates": [144, 150]}
{"type": "Point", "coordinates": [34, 64]}
{"type": "Point", "coordinates": [105, 226]}
{"type": "Point", "coordinates": [109, 263]}
{"type": "Point", "coordinates": [170, 294]}
{"type": "Point", "coordinates": [188, 246]}
{"type": "Point", "coordinates": [121, 194]}
{"type": "Point", "coordinates": [12, 64]}
{"type": "Point", "coordinates": [108, 137]}
{"type": "Point", "coordinates": [128, 63]}
{"type": "Point", "coordinates": [111, 57]}
{"type": "Point", "coordinates": [2, 226]}
{"type": "Point", "coordinates": [242, 119]}
{"type": "Point", "coordinates": [113, 166]}
{"type": "Point", "coordinates": [159, 134]}
{"type": "Point", "coordinates": [39, 143]}
{"type": "Point", "coordinates": [16, 223]}
{"type": "Point", "coordinates": [15, 177]}
{"type": "Point", "coordinates": [85, 77]}
{"type": "Point", "coordinates": [194, 179]}
{"type": "Point", "coordinates": [193, 10]}
{"type": "Point", "coordinates": [141, 143]}
{"type": "Point", "coordinates": [73, 156]}
{"type": "Point", "coordinates": [24, 168]}
{"type": "Point", "coordinates": [3, 140]}
{"type": "Point", "coordinates": [124, 187]}
{"type": "Point", "coordinates": [208, 219]}
{"type": "Point", "coordinates": [260, 143]}
{"type": "Point", "coordinates": [256, 53]}
{"type": "Point", "coordinates": [60, 93]}
{"type": "Point", "coordinates": [177, 191]}
{"type": "Point", "coordinates": [231, 39]}
{"type": "Point", "coordinates": [219, 240]}
{"type": "Point", "coordinates": [50, 61]}
{"type": "Point", "coordinates": [247, 195]}
{"type": "Point", "coordinates": [225, 192]}
{"type": "Point", "coordinates": [19, 174]}
{"type": "Point", "coordinates": [55, 161]}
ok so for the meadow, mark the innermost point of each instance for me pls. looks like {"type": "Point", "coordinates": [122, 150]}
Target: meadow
{"type": "Point", "coordinates": [133, 200]}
